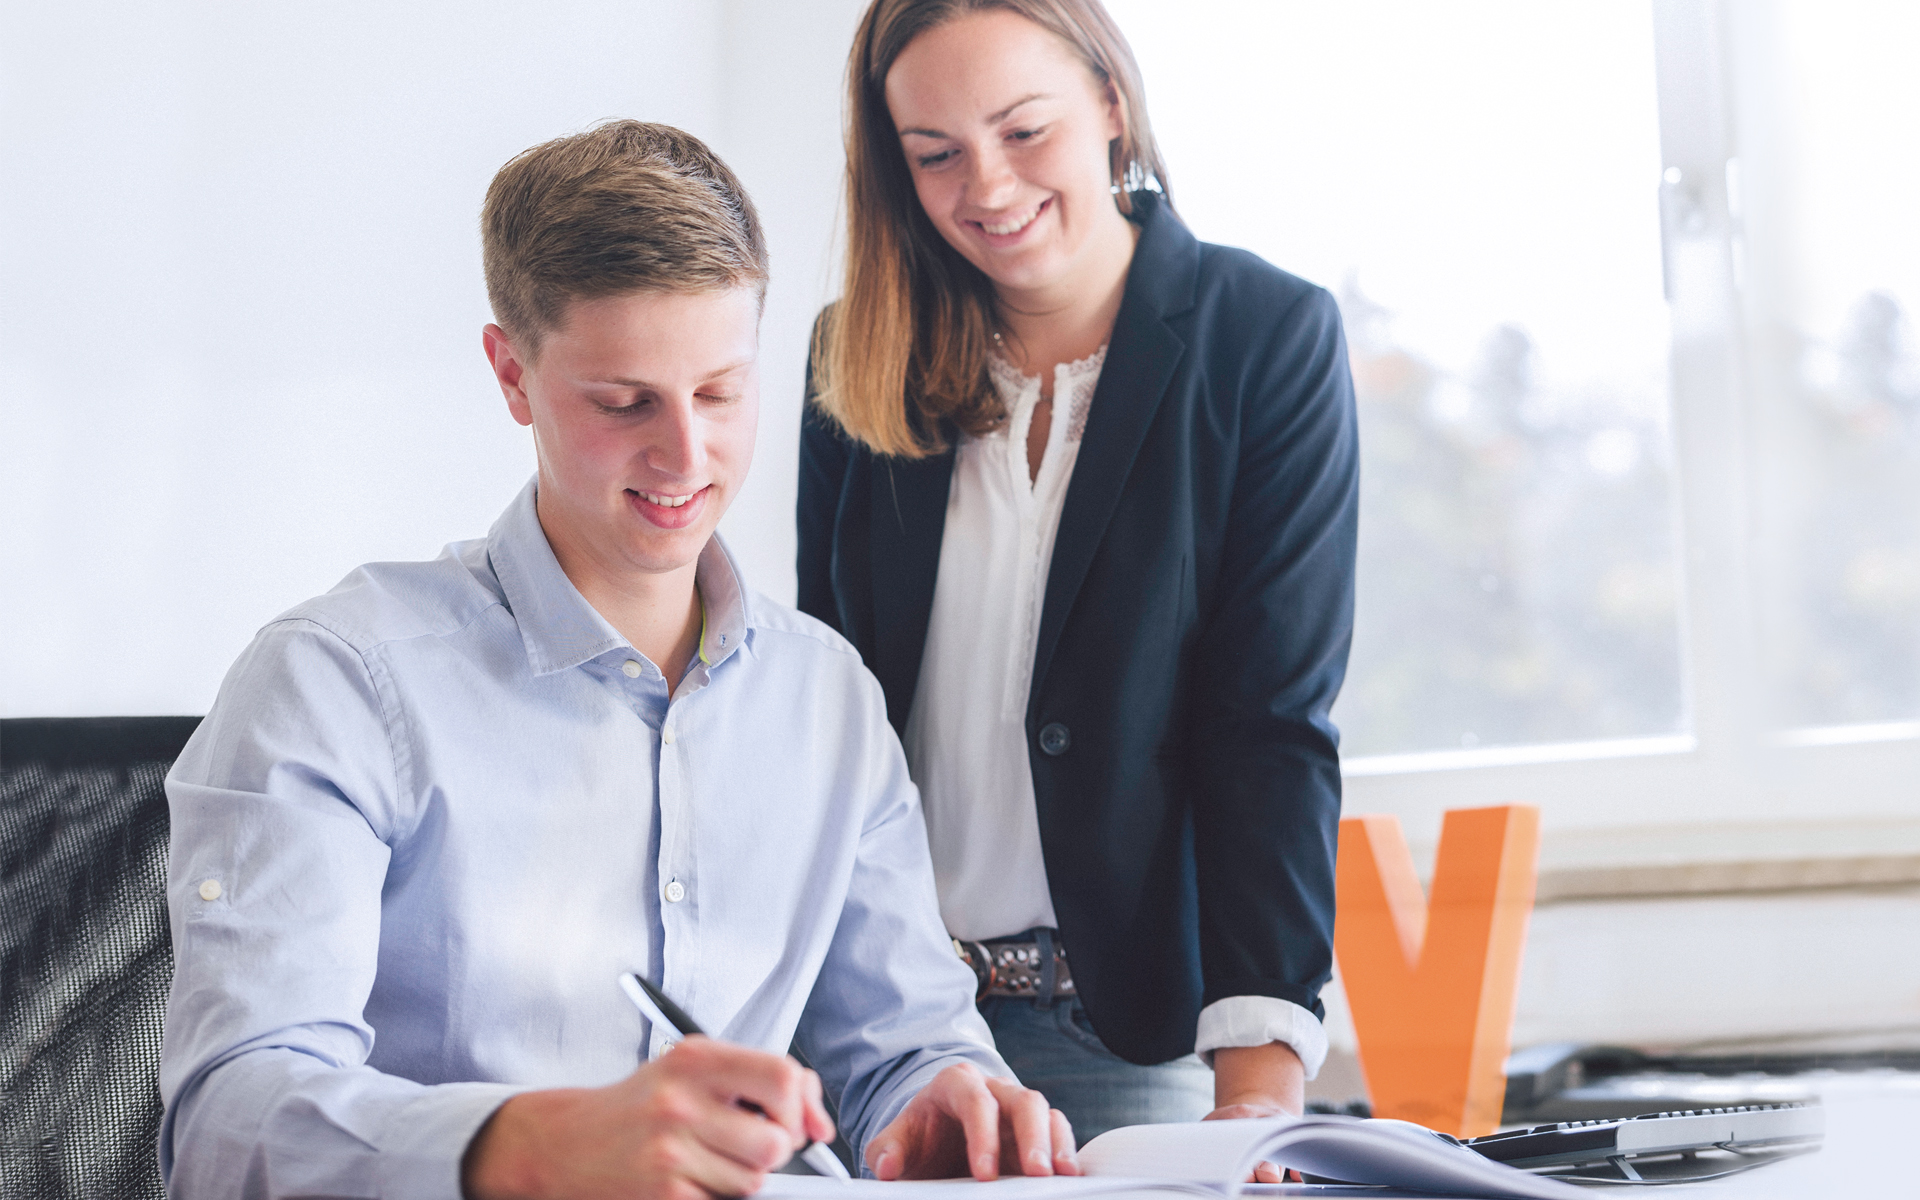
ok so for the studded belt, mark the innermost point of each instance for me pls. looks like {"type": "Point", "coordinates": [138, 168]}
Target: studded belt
{"type": "Point", "coordinates": [1028, 970]}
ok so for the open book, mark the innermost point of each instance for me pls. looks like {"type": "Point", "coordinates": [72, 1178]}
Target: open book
{"type": "Point", "coordinates": [1209, 1159]}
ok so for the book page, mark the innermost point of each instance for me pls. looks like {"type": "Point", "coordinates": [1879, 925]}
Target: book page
{"type": "Point", "coordinates": [1209, 1159]}
{"type": "Point", "coordinates": [1015, 1187]}
{"type": "Point", "coordinates": [1217, 1153]}
{"type": "Point", "coordinates": [1402, 1155]}
{"type": "Point", "coordinates": [1390, 1153]}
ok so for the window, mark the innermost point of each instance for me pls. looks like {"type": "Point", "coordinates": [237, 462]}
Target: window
{"type": "Point", "coordinates": [1495, 250]}
{"type": "Point", "coordinates": [1830, 253]}
{"type": "Point", "coordinates": [1638, 389]}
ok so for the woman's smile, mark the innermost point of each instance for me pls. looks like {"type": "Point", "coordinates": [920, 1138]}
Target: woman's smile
{"type": "Point", "coordinates": [1010, 227]}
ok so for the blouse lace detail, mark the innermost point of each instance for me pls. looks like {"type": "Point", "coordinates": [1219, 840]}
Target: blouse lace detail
{"type": "Point", "coordinates": [1075, 381]}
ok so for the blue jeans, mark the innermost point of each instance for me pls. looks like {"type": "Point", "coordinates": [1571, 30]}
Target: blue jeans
{"type": "Point", "coordinates": [1056, 1051]}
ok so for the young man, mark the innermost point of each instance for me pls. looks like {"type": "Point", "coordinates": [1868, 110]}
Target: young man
{"type": "Point", "coordinates": [436, 813]}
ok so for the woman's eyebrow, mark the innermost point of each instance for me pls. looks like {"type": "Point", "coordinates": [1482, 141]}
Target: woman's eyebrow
{"type": "Point", "coordinates": [992, 118]}
{"type": "Point", "coordinates": [1006, 112]}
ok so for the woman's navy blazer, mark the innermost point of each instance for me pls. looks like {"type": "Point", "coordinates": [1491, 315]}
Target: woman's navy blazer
{"type": "Point", "coordinates": [1193, 635]}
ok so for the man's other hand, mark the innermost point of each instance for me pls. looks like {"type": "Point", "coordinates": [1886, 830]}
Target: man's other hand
{"type": "Point", "coordinates": [969, 1123]}
{"type": "Point", "coordinates": [674, 1129]}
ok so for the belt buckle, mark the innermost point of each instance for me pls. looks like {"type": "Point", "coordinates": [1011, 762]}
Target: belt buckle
{"type": "Point", "coordinates": [975, 955]}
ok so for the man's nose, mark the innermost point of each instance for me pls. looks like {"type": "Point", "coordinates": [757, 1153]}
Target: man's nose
{"type": "Point", "coordinates": [677, 448]}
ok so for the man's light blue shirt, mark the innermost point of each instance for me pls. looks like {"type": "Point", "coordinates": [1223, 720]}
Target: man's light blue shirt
{"type": "Point", "coordinates": [435, 812]}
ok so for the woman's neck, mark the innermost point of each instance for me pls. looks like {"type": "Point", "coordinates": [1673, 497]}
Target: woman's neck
{"type": "Point", "coordinates": [1073, 316]}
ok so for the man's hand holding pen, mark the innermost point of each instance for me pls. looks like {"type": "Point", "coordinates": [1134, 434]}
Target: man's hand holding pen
{"type": "Point", "coordinates": [677, 1129]}
{"type": "Point", "coordinates": [711, 1119]}
{"type": "Point", "coordinates": [674, 1129]}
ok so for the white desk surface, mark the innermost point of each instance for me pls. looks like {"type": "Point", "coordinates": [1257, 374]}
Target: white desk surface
{"type": "Point", "coordinates": [1872, 1151]}
{"type": "Point", "coordinates": [1872, 1148]}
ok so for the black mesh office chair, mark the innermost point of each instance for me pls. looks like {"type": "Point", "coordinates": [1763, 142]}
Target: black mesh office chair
{"type": "Point", "coordinates": [85, 957]}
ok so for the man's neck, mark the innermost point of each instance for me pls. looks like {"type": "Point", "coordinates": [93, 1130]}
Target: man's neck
{"type": "Point", "coordinates": [662, 623]}
{"type": "Point", "coordinates": [659, 614]}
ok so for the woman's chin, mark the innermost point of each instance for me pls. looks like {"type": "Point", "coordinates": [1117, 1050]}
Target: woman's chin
{"type": "Point", "coordinates": [1028, 269]}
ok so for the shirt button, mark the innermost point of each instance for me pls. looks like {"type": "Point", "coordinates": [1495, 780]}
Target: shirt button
{"type": "Point", "coordinates": [210, 889]}
{"type": "Point", "coordinates": [1054, 739]}
{"type": "Point", "coordinates": [630, 669]}
{"type": "Point", "coordinates": [675, 893]}
{"type": "Point", "coordinates": [666, 734]}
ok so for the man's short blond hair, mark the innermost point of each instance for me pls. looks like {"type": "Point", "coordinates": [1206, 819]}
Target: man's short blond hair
{"type": "Point", "coordinates": [624, 207]}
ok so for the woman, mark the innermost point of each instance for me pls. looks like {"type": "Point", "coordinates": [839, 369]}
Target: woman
{"type": "Point", "coordinates": [1082, 491]}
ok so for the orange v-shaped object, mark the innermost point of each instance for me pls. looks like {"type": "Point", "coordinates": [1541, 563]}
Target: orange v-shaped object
{"type": "Point", "coordinates": [1432, 983]}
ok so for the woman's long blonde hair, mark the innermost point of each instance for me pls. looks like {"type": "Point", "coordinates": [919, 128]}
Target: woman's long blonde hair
{"type": "Point", "coordinates": [906, 346]}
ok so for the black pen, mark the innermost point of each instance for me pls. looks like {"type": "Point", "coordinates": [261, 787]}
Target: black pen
{"type": "Point", "coordinates": [655, 1007]}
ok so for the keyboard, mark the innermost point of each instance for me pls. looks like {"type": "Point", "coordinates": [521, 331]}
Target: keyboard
{"type": "Point", "coordinates": [1746, 1128]}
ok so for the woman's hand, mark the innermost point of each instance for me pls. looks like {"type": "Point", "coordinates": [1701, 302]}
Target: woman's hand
{"type": "Point", "coordinates": [1258, 1081]}
{"type": "Point", "coordinates": [967, 1122]}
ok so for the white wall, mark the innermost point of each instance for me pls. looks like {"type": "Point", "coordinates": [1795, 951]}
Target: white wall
{"type": "Point", "coordinates": [240, 297]}
{"type": "Point", "coordinates": [780, 84]}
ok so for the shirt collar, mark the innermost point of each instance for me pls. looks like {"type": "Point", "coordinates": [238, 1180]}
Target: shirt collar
{"type": "Point", "coordinates": [561, 630]}
{"type": "Point", "coordinates": [727, 613]}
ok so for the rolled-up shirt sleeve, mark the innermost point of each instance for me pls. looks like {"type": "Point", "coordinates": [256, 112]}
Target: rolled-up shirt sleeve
{"type": "Point", "coordinates": [283, 809]}
{"type": "Point", "coordinates": [1241, 1021]}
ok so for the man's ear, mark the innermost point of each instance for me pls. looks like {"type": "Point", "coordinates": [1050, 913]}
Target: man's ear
{"type": "Point", "coordinates": [510, 370]}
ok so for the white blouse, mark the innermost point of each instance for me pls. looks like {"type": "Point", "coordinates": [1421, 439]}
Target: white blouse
{"type": "Point", "coordinates": [966, 738]}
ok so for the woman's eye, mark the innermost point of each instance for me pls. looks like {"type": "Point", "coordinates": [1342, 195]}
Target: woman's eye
{"type": "Point", "coordinates": [1022, 135]}
{"type": "Point", "coordinates": [934, 160]}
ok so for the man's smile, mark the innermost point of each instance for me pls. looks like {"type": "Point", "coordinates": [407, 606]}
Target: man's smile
{"type": "Point", "coordinates": [665, 510]}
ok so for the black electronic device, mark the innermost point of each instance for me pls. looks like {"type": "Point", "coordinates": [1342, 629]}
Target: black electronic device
{"type": "Point", "coordinates": [1744, 1130]}
{"type": "Point", "coordinates": [1568, 1081]}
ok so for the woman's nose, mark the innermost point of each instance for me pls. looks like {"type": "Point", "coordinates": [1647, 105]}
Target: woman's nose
{"type": "Point", "coordinates": [993, 177]}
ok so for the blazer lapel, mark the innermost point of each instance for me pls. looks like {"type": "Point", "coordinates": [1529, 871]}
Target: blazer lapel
{"type": "Point", "coordinates": [1142, 356]}
{"type": "Point", "coordinates": [909, 507]}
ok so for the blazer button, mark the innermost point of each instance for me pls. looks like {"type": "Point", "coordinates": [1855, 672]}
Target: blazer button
{"type": "Point", "coordinates": [1054, 739]}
